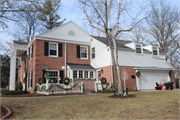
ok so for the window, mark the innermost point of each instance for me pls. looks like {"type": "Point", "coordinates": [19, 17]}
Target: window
{"type": "Point", "coordinates": [93, 52]}
{"type": "Point", "coordinates": [80, 74]}
{"type": "Point", "coordinates": [74, 74]}
{"type": "Point", "coordinates": [71, 33]}
{"type": "Point", "coordinates": [31, 79]}
{"type": "Point", "coordinates": [31, 54]}
{"type": "Point", "coordinates": [85, 74]}
{"type": "Point", "coordinates": [138, 48]}
{"type": "Point", "coordinates": [53, 49]}
{"type": "Point", "coordinates": [84, 52]}
{"type": "Point", "coordinates": [91, 74]}
{"type": "Point", "coordinates": [53, 75]}
{"type": "Point", "coordinates": [155, 50]}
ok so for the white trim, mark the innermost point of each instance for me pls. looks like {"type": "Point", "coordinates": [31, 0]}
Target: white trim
{"type": "Point", "coordinates": [58, 40]}
{"type": "Point", "coordinates": [65, 59]}
{"type": "Point", "coordinates": [87, 52]}
{"type": "Point", "coordinates": [56, 49]}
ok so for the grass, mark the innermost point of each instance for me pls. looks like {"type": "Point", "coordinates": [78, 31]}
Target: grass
{"type": "Point", "coordinates": [146, 105]}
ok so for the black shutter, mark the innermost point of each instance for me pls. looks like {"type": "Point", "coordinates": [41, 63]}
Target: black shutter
{"type": "Point", "coordinates": [31, 80]}
{"type": "Point", "coordinates": [78, 51]}
{"type": "Point", "coordinates": [43, 76]}
{"type": "Point", "coordinates": [61, 74]}
{"type": "Point", "coordinates": [60, 50]}
{"type": "Point", "coordinates": [46, 48]}
{"type": "Point", "coordinates": [32, 52]}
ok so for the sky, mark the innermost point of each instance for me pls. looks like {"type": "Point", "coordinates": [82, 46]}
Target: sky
{"type": "Point", "coordinates": [70, 11]}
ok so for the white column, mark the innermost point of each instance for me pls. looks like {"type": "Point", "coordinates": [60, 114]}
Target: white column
{"type": "Point", "coordinates": [72, 77]}
{"type": "Point", "coordinates": [12, 71]}
{"type": "Point", "coordinates": [47, 93]}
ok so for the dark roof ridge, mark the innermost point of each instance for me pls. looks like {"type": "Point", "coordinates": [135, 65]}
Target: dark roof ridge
{"type": "Point", "coordinates": [116, 39]}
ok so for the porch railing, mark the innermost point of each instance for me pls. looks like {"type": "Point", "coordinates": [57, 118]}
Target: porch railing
{"type": "Point", "coordinates": [57, 88]}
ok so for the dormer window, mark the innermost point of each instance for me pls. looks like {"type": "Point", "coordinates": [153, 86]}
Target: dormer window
{"type": "Point", "coordinates": [155, 50]}
{"type": "Point", "coordinates": [139, 48]}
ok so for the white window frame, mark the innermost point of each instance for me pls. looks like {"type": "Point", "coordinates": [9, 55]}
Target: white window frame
{"type": "Point", "coordinates": [141, 49]}
{"type": "Point", "coordinates": [93, 53]}
{"type": "Point", "coordinates": [156, 49]}
{"type": "Point", "coordinates": [86, 53]}
{"type": "Point", "coordinates": [56, 50]}
{"type": "Point", "coordinates": [55, 71]}
{"type": "Point", "coordinates": [83, 72]}
{"type": "Point", "coordinates": [31, 52]}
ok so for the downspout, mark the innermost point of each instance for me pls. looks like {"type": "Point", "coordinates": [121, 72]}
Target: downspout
{"type": "Point", "coordinates": [65, 59]}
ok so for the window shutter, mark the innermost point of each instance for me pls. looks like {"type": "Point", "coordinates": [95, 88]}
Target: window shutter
{"type": "Point", "coordinates": [46, 48]}
{"type": "Point", "coordinates": [78, 51]}
{"type": "Point", "coordinates": [31, 80]}
{"type": "Point", "coordinates": [60, 50]}
{"type": "Point", "coordinates": [61, 74]}
{"type": "Point", "coordinates": [32, 52]}
{"type": "Point", "coordinates": [43, 76]}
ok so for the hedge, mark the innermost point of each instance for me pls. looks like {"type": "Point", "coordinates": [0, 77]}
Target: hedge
{"type": "Point", "coordinates": [8, 92]}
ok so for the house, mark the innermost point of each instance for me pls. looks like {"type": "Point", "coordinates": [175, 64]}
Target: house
{"type": "Point", "coordinates": [69, 51]}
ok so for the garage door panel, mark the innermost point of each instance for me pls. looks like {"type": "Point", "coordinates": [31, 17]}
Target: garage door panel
{"type": "Point", "coordinates": [148, 79]}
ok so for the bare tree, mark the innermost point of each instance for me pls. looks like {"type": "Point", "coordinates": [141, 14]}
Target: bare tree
{"type": "Point", "coordinates": [103, 14]}
{"type": "Point", "coordinates": [164, 30]}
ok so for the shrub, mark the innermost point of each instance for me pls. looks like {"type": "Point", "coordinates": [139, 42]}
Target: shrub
{"type": "Point", "coordinates": [35, 88]}
{"type": "Point", "coordinates": [16, 87]}
{"type": "Point", "coordinates": [7, 92]}
{"type": "Point", "coordinates": [93, 92]}
{"type": "Point", "coordinates": [20, 86]}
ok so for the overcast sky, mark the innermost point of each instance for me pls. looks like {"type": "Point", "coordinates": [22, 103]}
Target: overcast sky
{"type": "Point", "coordinates": [70, 11]}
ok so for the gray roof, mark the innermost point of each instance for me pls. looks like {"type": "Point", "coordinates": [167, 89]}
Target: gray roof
{"type": "Point", "coordinates": [20, 42]}
{"type": "Point", "coordinates": [120, 43]}
{"type": "Point", "coordinates": [80, 66]}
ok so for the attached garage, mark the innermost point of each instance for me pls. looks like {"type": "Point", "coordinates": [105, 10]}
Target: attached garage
{"type": "Point", "coordinates": [149, 78]}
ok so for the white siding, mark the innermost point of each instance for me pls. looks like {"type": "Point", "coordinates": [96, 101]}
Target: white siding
{"type": "Point", "coordinates": [62, 32]}
{"type": "Point", "coordinates": [131, 45]}
{"type": "Point", "coordinates": [102, 54]}
{"type": "Point", "coordinates": [129, 58]}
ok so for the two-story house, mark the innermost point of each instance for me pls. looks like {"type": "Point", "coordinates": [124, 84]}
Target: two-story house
{"type": "Point", "coordinates": [69, 51]}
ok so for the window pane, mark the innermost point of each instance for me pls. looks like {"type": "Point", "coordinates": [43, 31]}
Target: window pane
{"type": "Point", "coordinates": [53, 74]}
{"type": "Point", "coordinates": [83, 49]}
{"type": "Point", "coordinates": [53, 52]}
{"type": "Point", "coordinates": [138, 50]}
{"type": "Point", "coordinates": [154, 52]}
{"type": "Point", "coordinates": [53, 46]}
{"type": "Point", "coordinates": [93, 50]}
{"type": "Point", "coordinates": [93, 55]}
{"type": "Point", "coordinates": [138, 46]}
{"type": "Point", "coordinates": [85, 74]}
{"type": "Point", "coordinates": [80, 74]}
{"type": "Point", "coordinates": [74, 74]}
{"type": "Point", "coordinates": [83, 55]}
{"type": "Point", "coordinates": [91, 74]}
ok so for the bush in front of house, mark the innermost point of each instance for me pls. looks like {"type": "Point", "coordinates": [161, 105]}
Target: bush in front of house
{"type": "Point", "coordinates": [11, 92]}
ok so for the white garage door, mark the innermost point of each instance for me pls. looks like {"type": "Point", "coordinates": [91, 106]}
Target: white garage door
{"type": "Point", "coordinates": [148, 79]}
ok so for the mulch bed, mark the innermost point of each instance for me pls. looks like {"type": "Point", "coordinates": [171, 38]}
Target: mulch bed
{"type": "Point", "coordinates": [3, 112]}
{"type": "Point", "coordinates": [39, 95]}
{"type": "Point", "coordinates": [121, 96]}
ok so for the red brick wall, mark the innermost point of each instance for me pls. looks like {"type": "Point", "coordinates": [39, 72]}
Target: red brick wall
{"type": "Point", "coordinates": [106, 73]}
{"type": "Point", "coordinates": [130, 82]}
{"type": "Point", "coordinates": [39, 61]}
{"type": "Point", "coordinates": [72, 55]}
{"type": "Point", "coordinates": [89, 84]}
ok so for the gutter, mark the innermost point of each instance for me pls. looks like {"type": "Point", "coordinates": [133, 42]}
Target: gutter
{"type": "Point", "coordinates": [65, 59]}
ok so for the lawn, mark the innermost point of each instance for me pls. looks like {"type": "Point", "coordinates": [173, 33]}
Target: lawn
{"type": "Point", "coordinates": [146, 105]}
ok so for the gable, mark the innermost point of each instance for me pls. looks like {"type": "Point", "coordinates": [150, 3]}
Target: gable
{"type": "Point", "coordinates": [68, 31]}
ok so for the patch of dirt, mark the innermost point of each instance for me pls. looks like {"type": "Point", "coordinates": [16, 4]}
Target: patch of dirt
{"type": "Point", "coordinates": [3, 111]}
{"type": "Point", "coordinates": [121, 96]}
{"type": "Point", "coordinates": [39, 95]}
